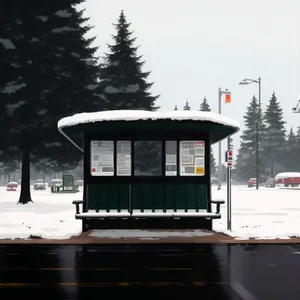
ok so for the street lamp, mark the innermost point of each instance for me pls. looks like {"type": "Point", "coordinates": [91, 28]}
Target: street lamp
{"type": "Point", "coordinates": [247, 81]}
{"type": "Point", "coordinates": [296, 109]}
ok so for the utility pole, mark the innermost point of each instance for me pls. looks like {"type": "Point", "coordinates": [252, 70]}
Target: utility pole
{"type": "Point", "coordinates": [227, 100]}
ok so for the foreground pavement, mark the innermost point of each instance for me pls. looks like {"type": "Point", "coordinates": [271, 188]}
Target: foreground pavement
{"type": "Point", "coordinates": [213, 271]}
{"type": "Point", "coordinates": [151, 236]}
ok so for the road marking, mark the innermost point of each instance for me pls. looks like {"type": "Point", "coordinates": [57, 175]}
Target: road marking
{"type": "Point", "coordinates": [241, 291]}
{"type": "Point", "coordinates": [296, 251]}
{"type": "Point", "coordinates": [64, 269]}
{"type": "Point", "coordinates": [91, 269]}
{"type": "Point", "coordinates": [187, 254]}
{"type": "Point", "coordinates": [171, 269]}
{"type": "Point", "coordinates": [104, 284]}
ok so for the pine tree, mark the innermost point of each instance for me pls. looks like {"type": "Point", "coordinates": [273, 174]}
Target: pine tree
{"type": "Point", "coordinates": [246, 158]}
{"type": "Point", "coordinates": [125, 83]}
{"type": "Point", "coordinates": [55, 78]}
{"type": "Point", "coordinates": [125, 87]}
{"type": "Point", "coordinates": [175, 108]}
{"type": "Point", "coordinates": [230, 143]}
{"type": "Point", "coordinates": [274, 136]}
{"type": "Point", "coordinates": [186, 106]}
{"type": "Point", "coordinates": [291, 156]}
{"type": "Point", "coordinates": [204, 106]}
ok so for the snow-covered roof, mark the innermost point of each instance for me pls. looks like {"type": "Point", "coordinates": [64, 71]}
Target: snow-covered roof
{"type": "Point", "coordinates": [136, 115]}
{"type": "Point", "coordinates": [287, 175]}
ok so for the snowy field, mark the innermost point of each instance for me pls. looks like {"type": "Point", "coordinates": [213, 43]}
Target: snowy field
{"type": "Point", "coordinates": [50, 216]}
{"type": "Point", "coordinates": [263, 214]}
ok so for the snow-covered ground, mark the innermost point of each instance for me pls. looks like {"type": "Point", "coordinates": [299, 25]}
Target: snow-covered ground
{"type": "Point", "coordinates": [49, 216]}
{"type": "Point", "coordinates": [267, 213]}
{"type": "Point", "coordinates": [264, 214]}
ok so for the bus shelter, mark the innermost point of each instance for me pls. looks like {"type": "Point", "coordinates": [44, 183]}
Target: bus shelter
{"type": "Point", "coordinates": [147, 169]}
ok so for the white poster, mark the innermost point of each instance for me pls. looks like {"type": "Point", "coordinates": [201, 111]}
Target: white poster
{"type": "Point", "coordinates": [192, 158]}
{"type": "Point", "coordinates": [102, 158]}
{"type": "Point", "coordinates": [171, 158]}
{"type": "Point", "coordinates": [123, 158]}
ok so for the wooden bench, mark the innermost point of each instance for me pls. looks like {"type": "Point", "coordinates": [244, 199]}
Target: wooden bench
{"type": "Point", "coordinates": [148, 201]}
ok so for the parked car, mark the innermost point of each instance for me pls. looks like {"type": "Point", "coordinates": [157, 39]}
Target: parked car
{"type": "Point", "coordinates": [271, 182]}
{"type": "Point", "coordinates": [39, 185]}
{"type": "Point", "coordinates": [12, 186]}
{"type": "Point", "coordinates": [288, 179]}
{"type": "Point", "coordinates": [79, 182]}
{"type": "Point", "coordinates": [214, 180]}
{"type": "Point", "coordinates": [55, 182]}
{"type": "Point", "coordinates": [251, 182]}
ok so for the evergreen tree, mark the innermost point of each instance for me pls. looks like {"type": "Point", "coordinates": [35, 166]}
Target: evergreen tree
{"type": "Point", "coordinates": [175, 108]}
{"type": "Point", "coordinates": [204, 106]}
{"type": "Point", "coordinates": [126, 87]}
{"type": "Point", "coordinates": [291, 157]}
{"type": "Point", "coordinates": [246, 158]}
{"type": "Point", "coordinates": [56, 77]}
{"type": "Point", "coordinates": [274, 136]}
{"type": "Point", "coordinates": [186, 106]}
{"type": "Point", "coordinates": [10, 167]}
{"type": "Point", "coordinates": [230, 143]}
{"type": "Point", "coordinates": [125, 84]}
{"type": "Point", "coordinates": [213, 164]}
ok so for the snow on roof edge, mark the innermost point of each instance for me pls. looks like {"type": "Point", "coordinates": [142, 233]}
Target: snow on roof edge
{"type": "Point", "coordinates": [136, 115]}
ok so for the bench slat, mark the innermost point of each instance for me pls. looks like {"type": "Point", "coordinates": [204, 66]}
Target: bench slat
{"type": "Point", "coordinates": [105, 214]}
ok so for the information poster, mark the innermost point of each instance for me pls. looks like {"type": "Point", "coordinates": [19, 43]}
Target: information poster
{"type": "Point", "coordinates": [171, 158]}
{"type": "Point", "coordinates": [123, 158]}
{"type": "Point", "coordinates": [102, 158]}
{"type": "Point", "coordinates": [192, 158]}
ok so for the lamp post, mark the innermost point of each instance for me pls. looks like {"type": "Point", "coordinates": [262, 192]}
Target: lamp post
{"type": "Point", "coordinates": [221, 92]}
{"type": "Point", "coordinates": [247, 81]}
{"type": "Point", "coordinates": [296, 109]}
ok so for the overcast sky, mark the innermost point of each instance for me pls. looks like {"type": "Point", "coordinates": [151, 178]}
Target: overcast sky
{"type": "Point", "coordinates": [193, 47]}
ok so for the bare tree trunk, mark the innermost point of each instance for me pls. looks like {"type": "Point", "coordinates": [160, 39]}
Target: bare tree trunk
{"type": "Point", "coordinates": [44, 175]}
{"type": "Point", "coordinates": [25, 196]}
{"type": "Point", "coordinates": [272, 169]}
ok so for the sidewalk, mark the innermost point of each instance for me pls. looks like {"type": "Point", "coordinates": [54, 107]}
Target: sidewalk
{"type": "Point", "coordinates": [150, 236]}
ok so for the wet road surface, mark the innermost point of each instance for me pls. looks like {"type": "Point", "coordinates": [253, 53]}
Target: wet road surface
{"type": "Point", "coordinates": [208, 271]}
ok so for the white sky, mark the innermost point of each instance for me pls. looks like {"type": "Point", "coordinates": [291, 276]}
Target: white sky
{"type": "Point", "coordinates": [194, 47]}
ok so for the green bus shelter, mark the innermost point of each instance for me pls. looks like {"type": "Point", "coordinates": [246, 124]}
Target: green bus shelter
{"type": "Point", "coordinates": [147, 169]}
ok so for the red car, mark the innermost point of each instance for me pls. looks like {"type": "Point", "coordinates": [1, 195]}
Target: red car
{"type": "Point", "coordinates": [288, 181]}
{"type": "Point", "coordinates": [251, 182]}
{"type": "Point", "coordinates": [12, 186]}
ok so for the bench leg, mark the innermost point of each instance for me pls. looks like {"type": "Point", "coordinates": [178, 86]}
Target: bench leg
{"type": "Point", "coordinates": [85, 226]}
{"type": "Point", "coordinates": [77, 208]}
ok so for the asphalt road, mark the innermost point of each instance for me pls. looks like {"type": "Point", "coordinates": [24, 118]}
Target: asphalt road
{"type": "Point", "coordinates": [173, 271]}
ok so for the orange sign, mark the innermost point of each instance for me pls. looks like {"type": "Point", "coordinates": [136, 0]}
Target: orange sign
{"type": "Point", "coordinates": [199, 170]}
{"type": "Point", "coordinates": [227, 98]}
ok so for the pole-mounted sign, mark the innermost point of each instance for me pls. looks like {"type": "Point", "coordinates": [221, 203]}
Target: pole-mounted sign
{"type": "Point", "coordinates": [228, 97]}
{"type": "Point", "coordinates": [228, 158]}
